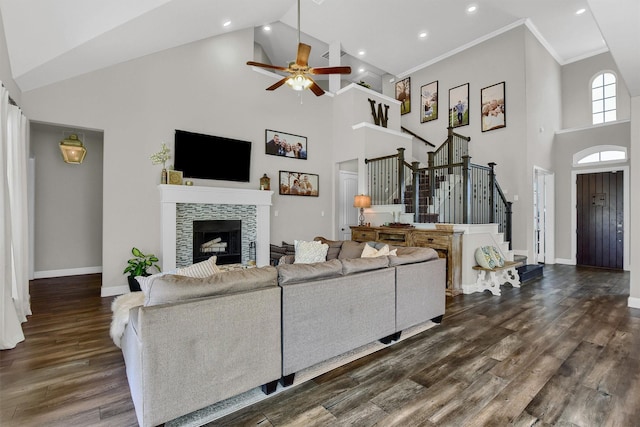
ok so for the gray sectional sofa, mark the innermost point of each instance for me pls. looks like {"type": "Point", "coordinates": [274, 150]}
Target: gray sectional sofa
{"type": "Point", "coordinates": [198, 341]}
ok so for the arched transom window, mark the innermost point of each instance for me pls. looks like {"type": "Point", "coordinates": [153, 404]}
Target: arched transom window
{"type": "Point", "coordinates": [600, 154]}
{"type": "Point", "coordinates": [603, 98]}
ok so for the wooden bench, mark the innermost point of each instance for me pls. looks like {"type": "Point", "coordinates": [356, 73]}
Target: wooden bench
{"type": "Point", "coordinates": [496, 276]}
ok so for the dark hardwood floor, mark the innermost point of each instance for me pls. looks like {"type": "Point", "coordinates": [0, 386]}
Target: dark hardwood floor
{"type": "Point", "coordinates": [562, 350]}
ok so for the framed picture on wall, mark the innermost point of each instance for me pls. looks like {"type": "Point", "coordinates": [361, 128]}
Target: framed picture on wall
{"type": "Point", "coordinates": [285, 144]}
{"type": "Point", "coordinates": [403, 94]}
{"type": "Point", "coordinates": [299, 184]}
{"type": "Point", "coordinates": [494, 114]}
{"type": "Point", "coordinates": [459, 106]}
{"type": "Point", "coordinates": [429, 102]}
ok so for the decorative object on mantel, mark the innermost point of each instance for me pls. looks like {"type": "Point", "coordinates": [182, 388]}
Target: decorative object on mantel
{"type": "Point", "coordinates": [174, 177]}
{"type": "Point", "coordinates": [265, 182]}
{"type": "Point", "coordinates": [188, 183]}
{"type": "Point", "coordinates": [161, 157]}
{"type": "Point", "coordinates": [73, 151]}
{"type": "Point", "coordinates": [361, 201]}
{"type": "Point", "coordinates": [379, 119]}
{"type": "Point", "coordinates": [139, 265]}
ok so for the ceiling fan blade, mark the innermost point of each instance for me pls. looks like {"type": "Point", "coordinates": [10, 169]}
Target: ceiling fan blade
{"type": "Point", "coordinates": [303, 55]}
{"type": "Point", "coordinates": [315, 88]}
{"type": "Point", "coordinates": [330, 70]}
{"type": "Point", "coordinates": [273, 67]}
{"type": "Point", "coordinates": [277, 84]}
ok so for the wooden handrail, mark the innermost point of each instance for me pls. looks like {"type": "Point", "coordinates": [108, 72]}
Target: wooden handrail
{"type": "Point", "coordinates": [404, 129]}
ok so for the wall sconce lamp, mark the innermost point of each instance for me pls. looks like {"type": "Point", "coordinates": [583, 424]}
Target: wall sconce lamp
{"type": "Point", "coordinates": [362, 201]}
{"type": "Point", "coordinates": [73, 151]}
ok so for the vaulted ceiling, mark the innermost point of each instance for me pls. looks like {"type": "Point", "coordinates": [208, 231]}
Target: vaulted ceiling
{"type": "Point", "coordinates": [49, 41]}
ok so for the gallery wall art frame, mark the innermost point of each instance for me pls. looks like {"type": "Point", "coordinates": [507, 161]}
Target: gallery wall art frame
{"type": "Point", "coordinates": [459, 106]}
{"type": "Point", "coordinates": [403, 94]}
{"type": "Point", "coordinates": [492, 104]}
{"type": "Point", "coordinates": [429, 102]}
{"type": "Point", "coordinates": [283, 144]}
{"type": "Point", "coordinates": [298, 184]}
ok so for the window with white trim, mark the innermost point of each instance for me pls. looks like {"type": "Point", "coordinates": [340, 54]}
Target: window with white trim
{"type": "Point", "coordinates": [603, 98]}
{"type": "Point", "coordinates": [600, 154]}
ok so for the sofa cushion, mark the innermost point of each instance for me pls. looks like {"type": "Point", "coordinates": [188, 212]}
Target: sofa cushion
{"type": "Point", "coordinates": [334, 247]}
{"type": "Point", "coordinates": [371, 252]}
{"type": "Point", "coordinates": [200, 269]}
{"type": "Point", "coordinates": [357, 265]}
{"type": "Point", "coordinates": [310, 252]}
{"type": "Point", "coordinates": [351, 249]}
{"type": "Point", "coordinates": [172, 288]}
{"type": "Point", "coordinates": [296, 273]}
{"type": "Point", "coordinates": [410, 255]}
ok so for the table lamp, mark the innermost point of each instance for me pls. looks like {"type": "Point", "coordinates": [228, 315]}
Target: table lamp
{"type": "Point", "coordinates": [361, 201]}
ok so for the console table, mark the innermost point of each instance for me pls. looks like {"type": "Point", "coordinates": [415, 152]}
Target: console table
{"type": "Point", "coordinates": [448, 244]}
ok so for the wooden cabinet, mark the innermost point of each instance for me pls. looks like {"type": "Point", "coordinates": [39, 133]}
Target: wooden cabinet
{"type": "Point", "coordinates": [448, 244]}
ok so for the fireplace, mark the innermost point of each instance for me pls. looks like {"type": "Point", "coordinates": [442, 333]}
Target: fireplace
{"type": "Point", "coordinates": [222, 238]}
{"type": "Point", "coordinates": [181, 205]}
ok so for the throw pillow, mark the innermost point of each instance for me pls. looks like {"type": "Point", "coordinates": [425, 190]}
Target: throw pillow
{"type": "Point", "coordinates": [201, 269]}
{"type": "Point", "coordinates": [310, 252]}
{"type": "Point", "coordinates": [496, 256]}
{"type": "Point", "coordinates": [334, 247]}
{"type": "Point", "coordinates": [351, 249]}
{"type": "Point", "coordinates": [370, 252]}
{"type": "Point", "coordinates": [483, 258]}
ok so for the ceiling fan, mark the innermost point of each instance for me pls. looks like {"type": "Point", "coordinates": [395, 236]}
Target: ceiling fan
{"type": "Point", "coordinates": [299, 70]}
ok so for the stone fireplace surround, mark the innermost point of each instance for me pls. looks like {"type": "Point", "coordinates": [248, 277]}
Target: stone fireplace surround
{"type": "Point", "coordinates": [172, 195]}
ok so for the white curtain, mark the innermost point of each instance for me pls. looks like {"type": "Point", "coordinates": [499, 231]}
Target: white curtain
{"type": "Point", "coordinates": [14, 257]}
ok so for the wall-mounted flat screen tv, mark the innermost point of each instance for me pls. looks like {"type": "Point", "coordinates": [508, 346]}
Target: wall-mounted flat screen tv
{"type": "Point", "coordinates": [212, 157]}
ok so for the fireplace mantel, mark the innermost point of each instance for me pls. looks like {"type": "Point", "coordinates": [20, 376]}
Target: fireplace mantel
{"type": "Point", "coordinates": [171, 195]}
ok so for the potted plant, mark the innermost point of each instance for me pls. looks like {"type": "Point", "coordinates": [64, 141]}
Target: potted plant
{"type": "Point", "coordinates": [139, 266]}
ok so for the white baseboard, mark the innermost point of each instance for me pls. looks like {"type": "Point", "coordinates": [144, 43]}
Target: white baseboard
{"type": "Point", "coordinates": [565, 261]}
{"type": "Point", "coordinates": [633, 302]}
{"type": "Point", "coordinates": [45, 274]}
{"type": "Point", "coordinates": [110, 291]}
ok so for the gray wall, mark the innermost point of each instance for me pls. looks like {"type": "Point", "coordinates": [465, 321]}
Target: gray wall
{"type": "Point", "coordinates": [576, 90]}
{"type": "Point", "coordinates": [68, 202]}
{"type": "Point", "coordinates": [532, 86]}
{"type": "Point", "coordinates": [202, 87]}
{"type": "Point", "coordinates": [5, 67]}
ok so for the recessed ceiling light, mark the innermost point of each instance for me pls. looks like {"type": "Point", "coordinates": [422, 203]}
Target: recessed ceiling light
{"type": "Point", "coordinates": [361, 70]}
{"type": "Point", "coordinates": [226, 23]}
{"type": "Point", "coordinates": [392, 79]}
{"type": "Point", "coordinates": [361, 52]}
{"type": "Point", "coordinates": [266, 28]}
{"type": "Point", "coordinates": [423, 35]}
{"type": "Point", "coordinates": [472, 8]}
{"type": "Point", "coordinates": [580, 11]}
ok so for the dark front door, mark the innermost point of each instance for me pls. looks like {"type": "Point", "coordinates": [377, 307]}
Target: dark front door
{"type": "Point", "coordinates": [600, 220]}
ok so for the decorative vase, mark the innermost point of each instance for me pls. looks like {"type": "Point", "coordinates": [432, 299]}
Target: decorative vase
{"type": "Point", "coordinates": [163, 177]}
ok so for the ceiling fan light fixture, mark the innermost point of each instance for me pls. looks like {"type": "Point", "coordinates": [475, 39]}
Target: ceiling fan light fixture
{"type": "Point", "coordinates": [299, 82]}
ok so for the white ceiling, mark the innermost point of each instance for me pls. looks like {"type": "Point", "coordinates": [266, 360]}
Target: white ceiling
{"type": "Point", "coordinates": [49, 41]}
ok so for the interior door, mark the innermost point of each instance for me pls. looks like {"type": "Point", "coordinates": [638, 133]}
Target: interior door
{"type": "Point", "coordinates": [600, 219]}
{"type": "Point", "coordinates": [539, 209]}
{"type": "Point", "coordinates": [348, 215]}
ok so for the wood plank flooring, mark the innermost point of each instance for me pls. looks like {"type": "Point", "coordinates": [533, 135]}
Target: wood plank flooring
{"type": "Point", "coordinates": [562, 350]}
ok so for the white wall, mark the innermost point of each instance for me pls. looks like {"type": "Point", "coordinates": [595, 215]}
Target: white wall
{"type": "Point", "coordinates": [202, 87]}
{"type": "Point", "coordinates": [634, 232]}
{"type": "Point", "coordinates": [68, 203]}
{"type": "Point", "coordinates": [5, 67]}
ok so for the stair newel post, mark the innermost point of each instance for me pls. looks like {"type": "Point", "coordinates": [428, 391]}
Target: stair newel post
{"type": "Point", "coordinates": [400, 175]}
{"type": "Point", "coordinates": [466, 189]}
{"type": "Point", "coordinates": [509, 214]}
{"type": "Point", "coordinates": [450, 148]}
{"type": "Point", "coordinates": [492, 192]}
{"type": "Point", "coordinates": [416, 190]}
{"type": "Point", "coordinates": [431, 172]}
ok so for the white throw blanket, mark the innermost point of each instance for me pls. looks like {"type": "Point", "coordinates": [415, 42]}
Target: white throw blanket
{"type": "Point", "coordinates": [120, 308]}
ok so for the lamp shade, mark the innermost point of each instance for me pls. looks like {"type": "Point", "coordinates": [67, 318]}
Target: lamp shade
{"type": "Point", "coordinates": [362, 201]}
{"type": "Point", "coordinates": [73, 151]}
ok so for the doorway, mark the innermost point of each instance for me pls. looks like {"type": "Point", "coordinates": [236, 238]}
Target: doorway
{"type": "Point", "coordinates": [600, 219]}
{"type": "Point", "coordinates": [543, 216]}
{"type": "Point", "coordinates": [347, 214]}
